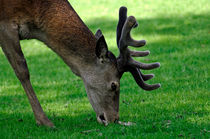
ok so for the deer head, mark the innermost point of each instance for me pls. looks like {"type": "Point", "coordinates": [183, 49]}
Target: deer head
{"type": "Point", "coordinates": [103, 83]}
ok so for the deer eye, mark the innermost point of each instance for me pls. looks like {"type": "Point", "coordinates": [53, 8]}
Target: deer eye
{"type": "Point", "coordinates": [114, 86]}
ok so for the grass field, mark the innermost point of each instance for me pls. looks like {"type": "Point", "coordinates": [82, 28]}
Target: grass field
{"type": "Point", "coordinates": [178, 36]}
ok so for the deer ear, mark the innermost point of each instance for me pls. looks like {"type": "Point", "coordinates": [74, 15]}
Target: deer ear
{"type": "Point", "coordinates": [98, 34]}
{"type": "Point", "coordinates": [101, 48]}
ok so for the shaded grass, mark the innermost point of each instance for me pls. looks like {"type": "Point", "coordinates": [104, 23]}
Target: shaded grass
{"type": "Point", "coordinates": [178, 37]}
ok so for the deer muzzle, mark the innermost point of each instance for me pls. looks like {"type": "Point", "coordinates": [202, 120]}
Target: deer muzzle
{"type": "Point", "coordinates": [106, 118]}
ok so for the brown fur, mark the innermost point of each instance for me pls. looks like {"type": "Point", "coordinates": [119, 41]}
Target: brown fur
{"type": "Point", "coordinates": [57, 19]}
{"type": "Point", "coordinates": [57, 24]}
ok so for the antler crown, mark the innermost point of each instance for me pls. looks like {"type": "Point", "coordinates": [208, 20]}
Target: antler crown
{"type": "Point", "coordinates": [125, 61]}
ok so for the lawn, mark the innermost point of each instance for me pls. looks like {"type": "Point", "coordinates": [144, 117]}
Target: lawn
{"type": "Point", "coordinates": [178, 36]}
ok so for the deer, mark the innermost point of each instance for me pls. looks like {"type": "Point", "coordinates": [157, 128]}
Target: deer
{"type": "Point", "coordinates": [57, 24]}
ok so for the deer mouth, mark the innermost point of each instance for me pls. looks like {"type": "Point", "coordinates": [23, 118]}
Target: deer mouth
{"type": "Point", "coordinates": [102, 119]}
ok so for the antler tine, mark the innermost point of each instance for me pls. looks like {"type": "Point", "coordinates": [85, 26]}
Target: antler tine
{"type": "Point", "coordinates": [139, 54]}
{"type": "Point", "coordinates": [140, 81]}
{"type": "Point", "coordinates": [126, 39]}
{"type": "Point", "coordinates": [122, 19]}
{"type": "Point", "coordinates": [146, 76]}
{"type": "Point", "coordinates": [143, 66]}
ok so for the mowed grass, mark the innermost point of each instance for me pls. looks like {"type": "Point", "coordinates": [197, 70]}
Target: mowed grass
{"type": "Point", "coordinates": [178, 36]}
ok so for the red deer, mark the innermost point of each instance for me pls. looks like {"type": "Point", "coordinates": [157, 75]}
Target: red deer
{"type": "Point", "coordinates": [55, 23]}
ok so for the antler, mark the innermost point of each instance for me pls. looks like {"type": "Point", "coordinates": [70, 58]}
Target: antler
{"type": "Point", "coordinates": [125, 60]}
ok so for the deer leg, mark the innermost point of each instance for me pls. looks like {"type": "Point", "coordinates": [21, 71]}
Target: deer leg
{"type": "Point", "coordinates": [9, 39]}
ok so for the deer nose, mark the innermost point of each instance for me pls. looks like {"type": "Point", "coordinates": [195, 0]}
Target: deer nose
{"type": "Point", "coordinates": [114, 86]}
{"type": "Point", "coordinates": [103, 119]}
{"type": "Point", "coordinates": [114, 118]}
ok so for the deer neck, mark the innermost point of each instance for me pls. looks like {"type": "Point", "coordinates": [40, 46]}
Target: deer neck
{"type": "Point", "coordinates": [60, 28]}
{"type": "Point", "coordinates": [73, 42]}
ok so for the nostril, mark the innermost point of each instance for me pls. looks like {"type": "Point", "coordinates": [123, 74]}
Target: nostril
{"type": "Point", "coordinates": [102, 117]}
{"type": "Point", "coordinates": [114, 86]}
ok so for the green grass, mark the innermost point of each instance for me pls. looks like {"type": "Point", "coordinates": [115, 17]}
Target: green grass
{"type": "Point", "coordinates": [178, 36]}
